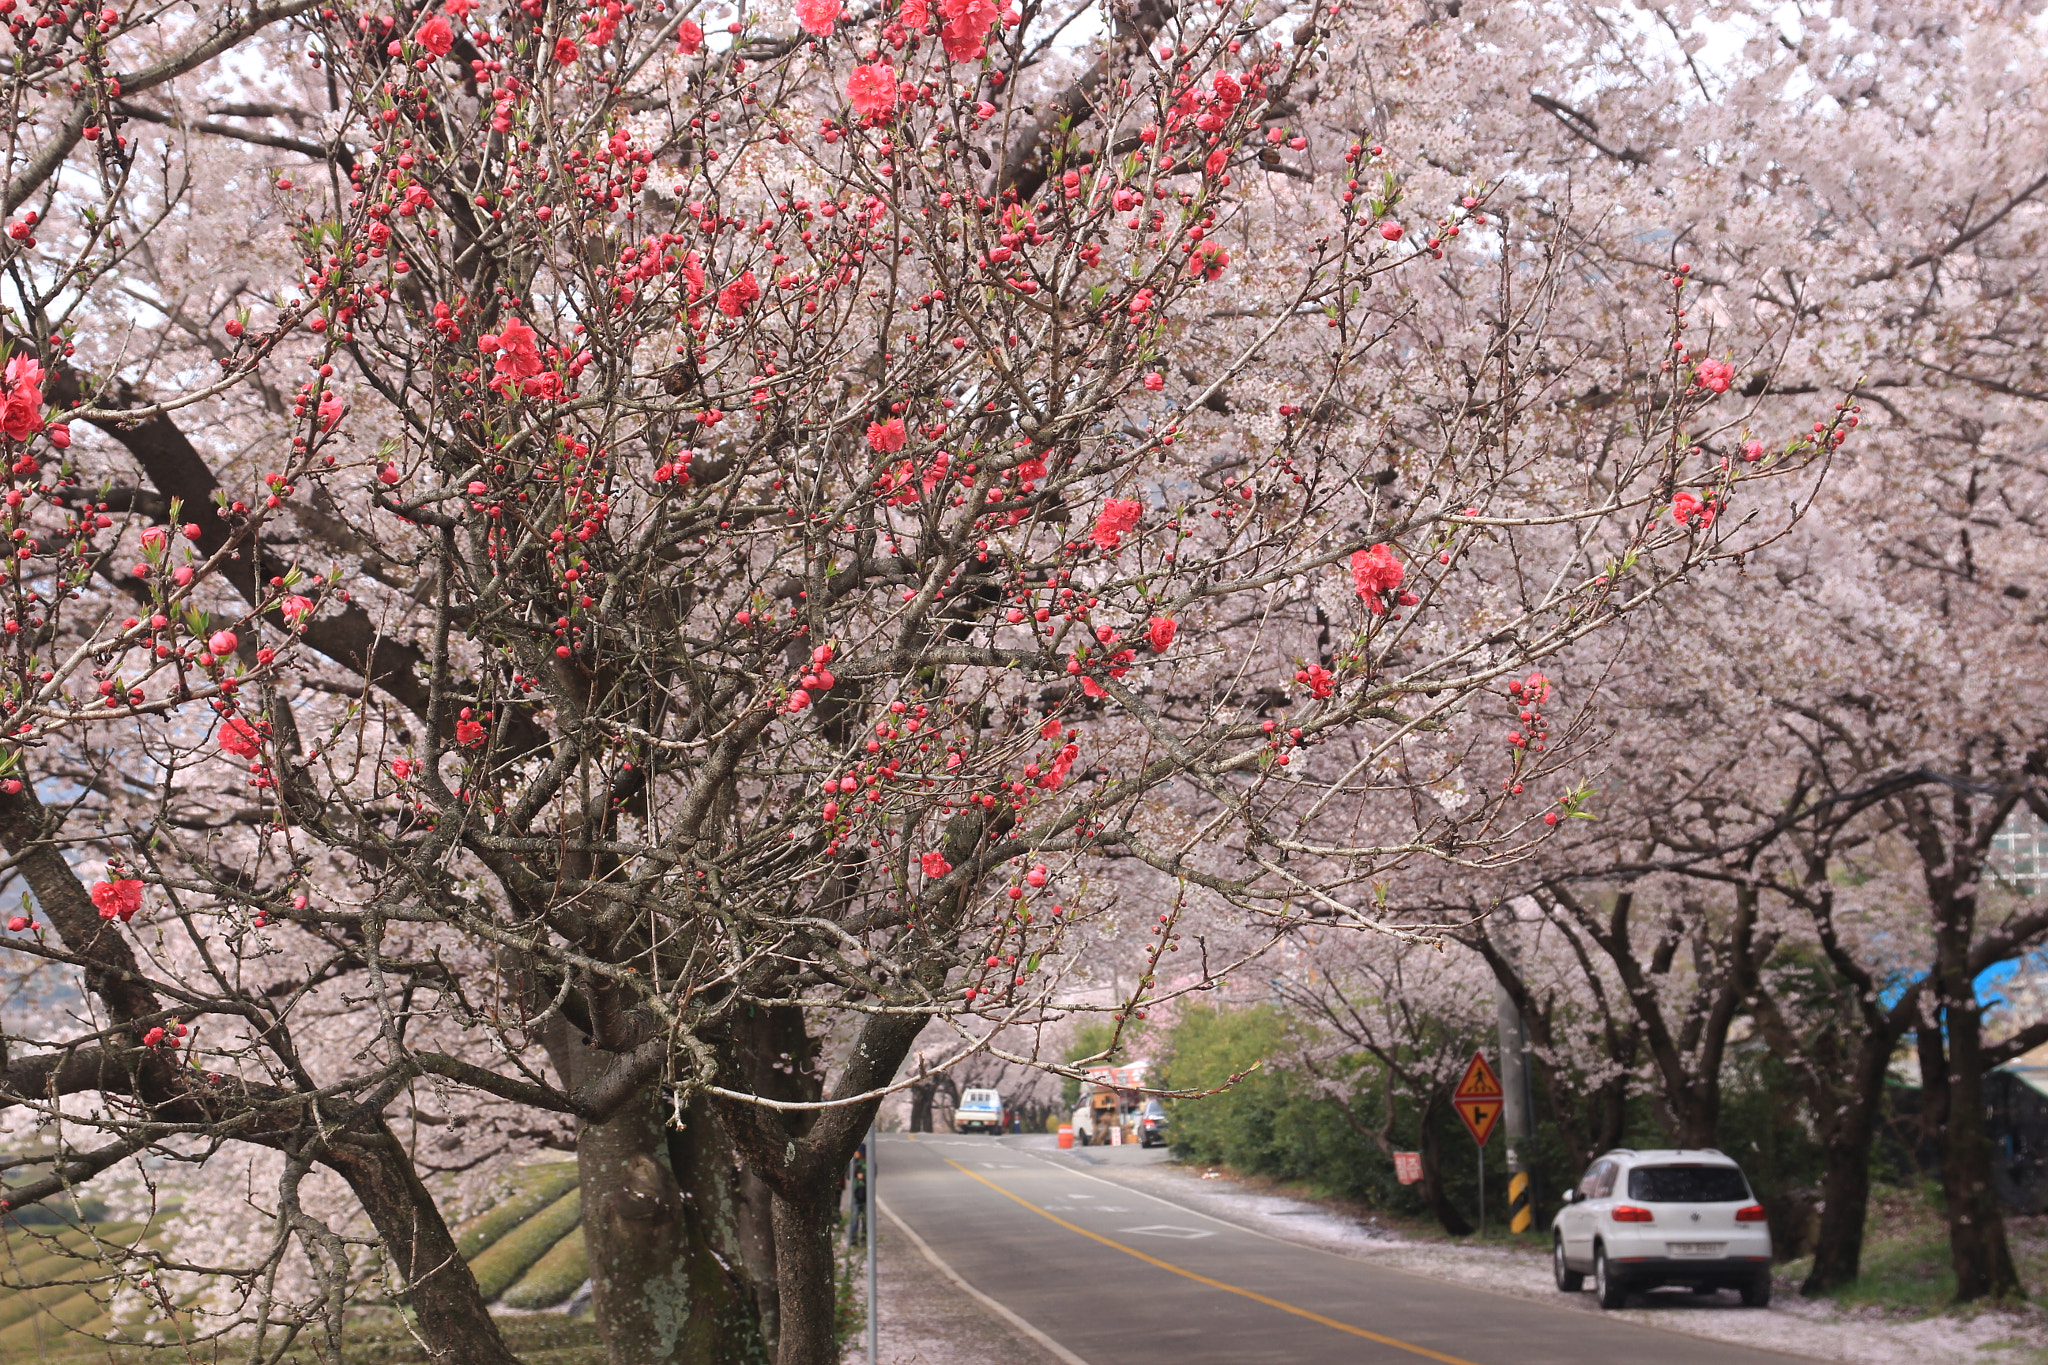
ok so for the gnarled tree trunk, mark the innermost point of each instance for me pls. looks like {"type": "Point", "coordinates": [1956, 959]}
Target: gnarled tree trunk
{"type": "Point", "coordinates": [664, 1244]}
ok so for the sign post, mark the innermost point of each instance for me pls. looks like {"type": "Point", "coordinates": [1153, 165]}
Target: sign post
{"type": "Point", "coordinates": [874, 1231]}
{"type": "Point", "coordinates": [1478, 1100]}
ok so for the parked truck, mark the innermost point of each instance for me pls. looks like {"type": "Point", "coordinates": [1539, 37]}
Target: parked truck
{"type": "Point", "coordinates": [979, 1111]}
{"type": "Point", "coordinates": [1110, 1103]}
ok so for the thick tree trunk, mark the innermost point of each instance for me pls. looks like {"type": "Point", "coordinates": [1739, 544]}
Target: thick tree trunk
{"type": "Point", "coordinates": [1845, 1201]}
{"type": "Point", "coordinates": [1976, 1226]}
{"type": "Point", "coordinates": [440, 1294]}
{"type": "Point", "coordinates": [1933, 1055]}
{"type": "Point", "coordinates": [1695, 1117]}
{"type": "Point", "coordinates": [1432, 1175]}
{"type": "Point", "coordinates": [1841, 1070]}
{"type": "Point", "coordinates": [731, 1236]}
{"type": "Point", "coordinates": [1848, 1128]}
{"type": "Point", "coordinates": [633, 1233]}
{"type": "Point", "coordinates": [664, 1245]}
{"type": "Point", "coordinates": [804, 1272]}
{"type": "Point", "coordinates": [802, 1154]}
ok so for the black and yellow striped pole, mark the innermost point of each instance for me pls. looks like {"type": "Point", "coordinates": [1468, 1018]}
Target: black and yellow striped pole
{"type": "Point", "coordinates": [1516, 1111]}
{"type": "Point", "coordinates": [1521, 1214]}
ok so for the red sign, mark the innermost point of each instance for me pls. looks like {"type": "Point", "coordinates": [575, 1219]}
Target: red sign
{"type": "Point", "coordinates": [1407, 1167]}
{"type": "Point", "coordinates": [1478, 1099]}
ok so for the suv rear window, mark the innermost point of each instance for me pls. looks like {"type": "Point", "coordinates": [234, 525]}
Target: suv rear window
{"type": "Point", "coordinates": [1687, 1185]}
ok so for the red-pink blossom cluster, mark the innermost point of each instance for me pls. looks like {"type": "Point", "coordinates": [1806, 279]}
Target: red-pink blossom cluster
{"type": "Point", "coordinates": [1320, 682]}
{"type": "Point", "coordinates": [21, 409]}
{"type": "Point", "coordinates": [964, 24]}
{"type": "Point", "coordinates": [1377, 575]}
{"type": "Point", "coordinates": [871, 90]}
{"type": "Point", "coordinates": [1117, 518]}
{"type": "Point", "coordinates": [118, 899]}
{"type": "Point", "coordinates": [1530, 692]}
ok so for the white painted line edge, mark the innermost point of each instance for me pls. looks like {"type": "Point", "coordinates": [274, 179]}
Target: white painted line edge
{"type": "Point", "coordinates": [1064, 1356]}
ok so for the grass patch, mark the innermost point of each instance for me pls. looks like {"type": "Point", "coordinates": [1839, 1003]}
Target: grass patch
{"type": "Point", "coordinates": [1908, 1270]}
{"type": "Point", "coordinates": [1906, 1267]}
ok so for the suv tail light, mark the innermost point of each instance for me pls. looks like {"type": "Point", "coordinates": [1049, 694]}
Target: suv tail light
{"type": "Point", "coordinates": [1753, 1214]}
{"type": "Point", "coordinates": [1630, 1213]}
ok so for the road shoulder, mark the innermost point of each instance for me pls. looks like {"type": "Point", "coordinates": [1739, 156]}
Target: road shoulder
{"type": "Point", "coordinates": [1821, 1331]}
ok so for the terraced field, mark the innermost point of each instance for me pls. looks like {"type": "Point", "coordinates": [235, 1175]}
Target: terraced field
{"type": "Point", "coordinates": [526, 1251]}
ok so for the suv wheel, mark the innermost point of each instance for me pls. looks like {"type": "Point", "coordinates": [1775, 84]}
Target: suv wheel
{"type": "Point", "coordinates": [1757, 1293]}
{"type": "Point", "coordinates": [1569, 1281]}
{"type": "Point", "coordinates": [1612, 1292]}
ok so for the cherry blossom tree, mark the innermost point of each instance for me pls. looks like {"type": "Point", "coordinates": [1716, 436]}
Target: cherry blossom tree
{"type": "Point", "coordinates": [1885, 163]}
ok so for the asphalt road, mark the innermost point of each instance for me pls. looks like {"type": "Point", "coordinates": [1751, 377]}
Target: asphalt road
{"type": "Point", "coordinates": [1116, 1276]}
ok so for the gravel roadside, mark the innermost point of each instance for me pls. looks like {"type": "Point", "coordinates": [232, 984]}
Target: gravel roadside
{"type": "Point", "coordinates": [928, 1319]}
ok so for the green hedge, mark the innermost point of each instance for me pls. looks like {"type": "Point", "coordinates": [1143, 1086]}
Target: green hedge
{"type": "Point", "coordinates": [42, 1266]}
{"type": "Point", "coordinates": [75, 1308]}
{"type": "Point", "coordinates": [499, 1267]}
{"type": "Point", "coordinates": [554, 1278]}
{"type": "Point", "coordinates": [532, 1188]}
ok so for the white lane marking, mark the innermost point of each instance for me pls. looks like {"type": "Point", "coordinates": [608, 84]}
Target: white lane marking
{"type": "Point", "coordinates": [1168, 1230]}
{"type": "Point", "coordinates": [1064, 1356]}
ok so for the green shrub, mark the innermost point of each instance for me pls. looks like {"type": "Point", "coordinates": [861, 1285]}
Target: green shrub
{"type": "Point", "coordinates": [555, 1277]}
{"type": "Point", "coordinates": [1277, 1123]}
{"type": "Point", "coordinates": [498, 1267]}
{"type": "Point", "coordinates": [529, 1190]}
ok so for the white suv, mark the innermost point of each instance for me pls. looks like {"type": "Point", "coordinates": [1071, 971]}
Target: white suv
{"type": "Point", "coordinates": [1642, 1219]}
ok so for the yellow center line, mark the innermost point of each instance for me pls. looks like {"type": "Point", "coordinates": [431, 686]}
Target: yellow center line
{"type": "Point", "coordinates": [1253, 1295]}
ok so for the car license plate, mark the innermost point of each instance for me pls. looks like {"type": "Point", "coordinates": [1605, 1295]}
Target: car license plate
{"type": "Point", "coordinates": [1697, 1248]}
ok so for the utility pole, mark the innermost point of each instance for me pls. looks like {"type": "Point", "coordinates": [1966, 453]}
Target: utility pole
{"type": "Point", "coordinates": [874, 1231]}
{"type": "Point", "coordinates": [1517, 1113]}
